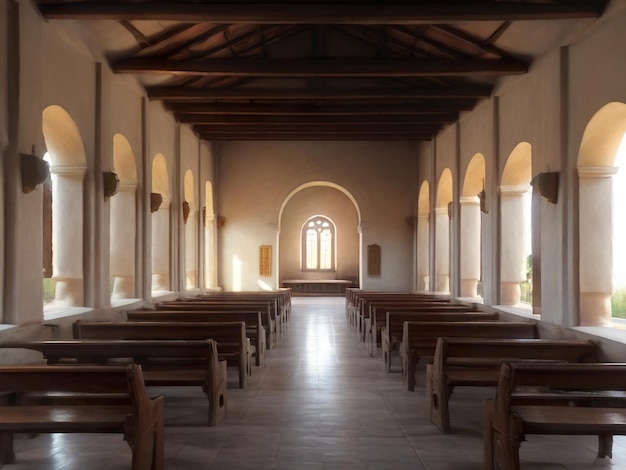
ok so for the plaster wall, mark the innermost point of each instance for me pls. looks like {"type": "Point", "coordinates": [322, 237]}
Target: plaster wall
{"type": "Point", "coordinates": [255, 178]}
{"type": "Point", "coordinates": [4, 133]}
{"type": "Point", "coordinates": [446, 156]}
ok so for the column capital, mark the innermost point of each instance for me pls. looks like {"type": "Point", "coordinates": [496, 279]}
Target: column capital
{"type": "Point", "coordinates": [127, 187]}
{"type": "Point", "coordinates": [69, 171]}
{"type": "Point", "coordinates": [469, 201]}
{"type": "Point", "coordinates": [441, 211]}
{"type": "Point", "coordinates": [514, 189]}
{"type": "Point", "coordinates": [596, 171]}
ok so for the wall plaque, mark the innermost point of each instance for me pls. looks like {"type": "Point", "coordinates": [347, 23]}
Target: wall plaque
{"type": "Point", "coordinates": [265, 260]}
{"type": "Point", "coordinates": [373, 260]}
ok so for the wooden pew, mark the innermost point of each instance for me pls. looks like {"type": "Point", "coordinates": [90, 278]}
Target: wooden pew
{"type": "Point", "coordinates": [252, 319]}
{"type": "Point", "coordinates": [137, 417]}
{"type": "Point", "coordinates": [232, 343]}
{"type": "Point", "coordinates": [391, 332]}
{"type": "Point", "coordinates": [568, 399]}
{"type": "Point", "coordinates": [266, 309]}
{"type": "Point", "coordinates": [378, 317]}
{"type": "Point", "coordinates": [191, 363]}
{"type": "Point", "coordinates": [419, 339]}
{"type": "Point", "coordinates": [475, 362]}
{"type": "Point", "coordinates": [281, 296]}
{"type": "Point", "coordinates": [366, 302]}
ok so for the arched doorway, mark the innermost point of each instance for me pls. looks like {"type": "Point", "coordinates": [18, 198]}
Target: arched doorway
{"type": "Point", "coordinates": [160, 207]}
{"type": "Point", "coordinates": [442, 231]}
{"type": "Point", "coordinates": [333, 202]}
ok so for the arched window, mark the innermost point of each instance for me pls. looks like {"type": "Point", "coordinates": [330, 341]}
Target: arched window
{"type": "Point", "coordinates": [318, 244]}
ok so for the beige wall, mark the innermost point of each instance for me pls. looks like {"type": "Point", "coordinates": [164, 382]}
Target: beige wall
{"type": "Point", "coordinates": [256, 178]}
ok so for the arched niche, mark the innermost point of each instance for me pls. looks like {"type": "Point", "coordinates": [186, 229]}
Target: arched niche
{"type": "Point", "coordinates": [332, 201]}
{"type": "Point", "coordinates": [470, 207]}
{"type": "Point", "coordinates": [442, 231]}
{"type": "Point", "coordinates": [68, 165]}
{"type": "Point", "coordinates": [123, 220]}
{"type": "Point", "coordinates": [160, 225]}
{"type": "Point", "coordinates": [602, 141]}
{"type": "Point", "coordinates": [423, 237]}
{"type": "Point", "coordinates": [515, 222]}
{"type": "Point", "coordinates": [210, 246]}
{"type": "Point", "coordinates": [190, 212]}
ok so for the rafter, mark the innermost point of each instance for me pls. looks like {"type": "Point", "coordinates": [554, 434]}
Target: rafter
{"type": "Point", "coordinates": [182, 93]}
{"type": "Point", "coordinates": [226, 120]}
{"type": "Point", "coordinates": [303, 110]}
{"type": "Point", "coordinates": [306, 68]}
{"type": "Point", "coordinates": [313, 13]}
{"type": "Point", "coordinates": [356, 136]}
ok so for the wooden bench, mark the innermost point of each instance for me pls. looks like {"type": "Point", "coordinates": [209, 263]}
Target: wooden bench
{"type": "Point", "coordinates": [138, 418]}
{"type": "Point", "coordinates": [391, 332]}
{"type": "Point", "coordinates": [252, 319]}
{"type": "Point", "coordinates": [366, 302]}
{"type": "Point", "coordinates": [560, 399]}
{"type": "Point", "coordinates": [232, 344]}
{"type": "Point", "coordinates": [191, 363]}
{"type": "Point", "coordinates": [266, 308]}
{"type": "Point", "coordinates": [378, 318]}
{"type": "Point", "coordinates": [282, 296]}
{"type": "Point", "coordinates": [419, 339]}
{"type": "Point", "coordinates": [475, 362]}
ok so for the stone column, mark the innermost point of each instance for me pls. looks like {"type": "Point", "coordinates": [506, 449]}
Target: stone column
{"type": "Point", "coordinates": [596, 244]}
{"type": "Point", "coordinates": [67, 234]}
{"type": "Point", "coordinates": [512, 262]}
{"type": "Point", "coordinates": [191, 248]}
{"type": "Point", "coordinates": [423, 252]}
{"type": "Point", "coordinates": [470, 246]}
{"type": "Point", "coordinates": [442, 250]}
{"type": "Point", "coordinates": [160, 247]}
{"type": "Point", "coordinates": [123, 230]}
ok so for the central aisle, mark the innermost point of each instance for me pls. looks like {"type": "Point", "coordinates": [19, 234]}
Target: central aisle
{"type": "Point", "coordinates": [322, 403]}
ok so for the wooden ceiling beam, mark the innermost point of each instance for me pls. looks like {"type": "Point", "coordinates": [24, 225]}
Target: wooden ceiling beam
{"type": "Point", "coordinates": [321, 128]}
{"type": "Point", "coordinates": [304, 110]}
{"type": "Point", "coordinates": [314, 13]}
{"type": "Point", "coordinates": [234, 119]}
{"type": "Point", "coordinates": [336, 67]}
{"type": "Point", "coordinates": [357, 136]}
{"type": "Point", "coordinates": [182, 93]}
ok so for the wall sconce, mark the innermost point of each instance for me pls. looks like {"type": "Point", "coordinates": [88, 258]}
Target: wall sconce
{"type": "Point", "coordinates": [186, 211]}
{"type": "Point", "coordinates": [450, 210]}
{"type": "Point", "coordinates": [482, 198]}
{"type": "Point", "coordinates": [34, 171]}
{"type": "Point", "coordinates": [547, 185]}
{"type": "Point", "coordinates": [155, 201]}
{"type": "Point", "coordinates": [111, 184]}
{"type": "Point", "coordinates": [221, 221]}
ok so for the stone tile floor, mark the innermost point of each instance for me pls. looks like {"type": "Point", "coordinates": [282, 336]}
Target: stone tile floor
{"type": "Point", "coordinates": [320, 402]}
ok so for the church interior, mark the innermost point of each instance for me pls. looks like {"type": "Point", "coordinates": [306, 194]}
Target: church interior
{"type": "Point", "coordinates": [472, 151]}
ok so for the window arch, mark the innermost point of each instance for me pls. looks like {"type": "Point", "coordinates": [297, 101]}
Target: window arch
{"type": "Point", "coordinates": [318, 244]}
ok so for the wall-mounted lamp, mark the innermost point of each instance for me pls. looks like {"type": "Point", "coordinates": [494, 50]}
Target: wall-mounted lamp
{"type": "Point", "coordinates": [547, 185]}
{"type": "Point", "coordinates": [34, 171]}
{"type": "Point", "coordinates": [482, 198]}
{"type": "Point", "coordinates": [111, 184]}
{"type": "Point", "coordinates": [221, 221]}
{"type": "Point", "coordinates": [450, 210]}
{"type": "Point", "coordinates": [186, 211]}
{"type": "Point", "coordinates": [155, 201]}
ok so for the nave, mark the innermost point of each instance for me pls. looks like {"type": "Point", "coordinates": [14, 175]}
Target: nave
{"type": "Point", "coordinates": [320, 402]}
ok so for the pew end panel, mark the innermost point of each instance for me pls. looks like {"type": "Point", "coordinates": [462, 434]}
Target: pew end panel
{"type": "Point", "coordinates": [139, 418]}
{"type": "Point", "coordinates": [561, 399]}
